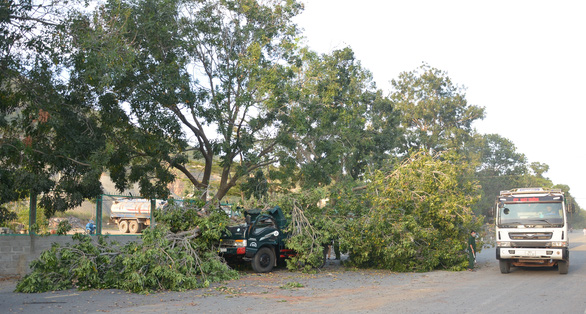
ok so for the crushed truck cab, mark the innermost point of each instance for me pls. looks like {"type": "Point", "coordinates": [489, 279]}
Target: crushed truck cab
{"type": "Point", "coordinates": [531, 229]}
{"type": "Point", "coordinates": [260, 240]}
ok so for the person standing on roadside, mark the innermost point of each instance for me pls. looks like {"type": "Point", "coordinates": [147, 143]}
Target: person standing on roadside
{"type": "Point", "coordinates": [471, 250]}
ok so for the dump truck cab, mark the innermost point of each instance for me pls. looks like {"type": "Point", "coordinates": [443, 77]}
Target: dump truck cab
{"type": "Point", "coordinates": [531, 229]}
{"type": "Point", "coordinates": [260, 240]}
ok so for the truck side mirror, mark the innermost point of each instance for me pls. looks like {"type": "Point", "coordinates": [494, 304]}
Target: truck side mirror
{"type": "Point", "coordinates": [247, 219]}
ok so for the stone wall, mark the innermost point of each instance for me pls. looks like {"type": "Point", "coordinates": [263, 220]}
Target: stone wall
{"type": "Point", "coordinates": [17, 251]}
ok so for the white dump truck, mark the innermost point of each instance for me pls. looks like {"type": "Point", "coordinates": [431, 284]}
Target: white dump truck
{"type": "Point", "coordinates": [132, 215]}
{"type": "Point", "coordinates": [532, 229]}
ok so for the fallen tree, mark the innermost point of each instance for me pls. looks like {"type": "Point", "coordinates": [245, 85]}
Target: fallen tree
{"type": "Point", "coordinates": [416, 217]}
{"type": "Point", "coordinates": [166, 259]}
{"type": "Point", "coordinates": [306, 240]}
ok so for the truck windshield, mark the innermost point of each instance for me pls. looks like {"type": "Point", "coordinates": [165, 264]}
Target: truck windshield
{"type": "Point", "coordinates": [531, 213]}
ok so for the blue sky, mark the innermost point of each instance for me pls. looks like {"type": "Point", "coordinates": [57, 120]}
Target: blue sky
{"type": "Point", "coordinates": [524, 61]}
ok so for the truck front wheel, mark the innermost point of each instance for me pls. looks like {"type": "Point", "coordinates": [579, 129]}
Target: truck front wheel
{"type": "Point", "coordinates": [563, 267]}
{"type": "Point", "coordinates": [123, 226]}
{"type": "Point", "coordinates": [505, 266]}
{"type": "Point", "coordinates": [264, 260]}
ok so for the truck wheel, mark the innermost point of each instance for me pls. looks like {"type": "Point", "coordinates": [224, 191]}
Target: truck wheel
{"type": "Point", "coordinates": [563, 267]}
{"type": "Point", "coordinates": [505, 266]}
{"type": "Point", "coordinates": [133, 226]}
{"type": "Point", "coordinates": [264, 260]}
{"type": "Point", "coordinates": [123, 226]}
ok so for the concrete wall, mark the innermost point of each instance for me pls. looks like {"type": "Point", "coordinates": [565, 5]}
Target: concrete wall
{"type": "Point", "coordinates": [17, 251]}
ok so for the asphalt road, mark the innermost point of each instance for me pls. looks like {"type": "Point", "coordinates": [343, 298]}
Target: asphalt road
{"type": "Point", "coordinates": [337, 289]}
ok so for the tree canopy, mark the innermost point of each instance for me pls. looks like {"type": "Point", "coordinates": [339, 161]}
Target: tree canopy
{"type": "Point", "coordinates": [209, 80]}
{"type": "Point", "coordinates": [50, 139]}
{"type": "Point", "coordinates": [500, 167]}
{"type": "Point", "coordinates": [434, 111]}
{"type": "Point", "coordinates": [340, 121]}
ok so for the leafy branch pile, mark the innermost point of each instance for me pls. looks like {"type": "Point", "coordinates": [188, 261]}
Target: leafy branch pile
{"type": "Point", "coordinates": [164, 260]}
{"type": "Point", "coordinates": [305, 240]}
{"type": "Point", "coordinates": [416, 218]}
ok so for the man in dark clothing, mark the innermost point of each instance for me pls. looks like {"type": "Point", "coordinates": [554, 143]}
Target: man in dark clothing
{"type": "Point", "coordinates": [471, 250]}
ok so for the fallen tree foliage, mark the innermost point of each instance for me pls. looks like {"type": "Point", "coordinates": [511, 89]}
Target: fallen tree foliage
{"type": "Point", "coordinates": [306, 240]}
{"type": "Point", "coordinates": [415, 218]}
{"type": "Point", "coordinates": [164, 260]}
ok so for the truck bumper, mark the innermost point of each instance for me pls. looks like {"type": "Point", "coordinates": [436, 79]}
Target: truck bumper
{"type": "Point", "coordinates": [232, 251]}
{"type": "Point", "coordinates": [532, 253]}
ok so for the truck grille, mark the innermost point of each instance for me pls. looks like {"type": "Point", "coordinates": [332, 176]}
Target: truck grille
{"type": "Point", "coordinates": [530, 235]}
{"type": "Point", "coordinates": [530, 244]}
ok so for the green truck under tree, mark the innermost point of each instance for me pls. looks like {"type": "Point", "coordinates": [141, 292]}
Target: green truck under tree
{"type": "Point", "coordinates": [260, 240]}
